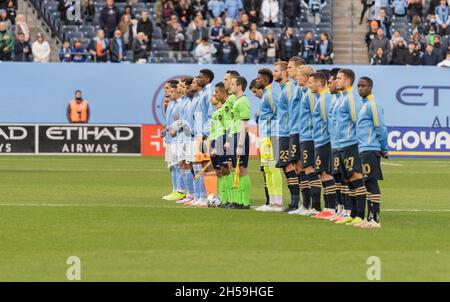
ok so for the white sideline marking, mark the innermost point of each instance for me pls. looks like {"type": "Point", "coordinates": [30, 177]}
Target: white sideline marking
{"type": "Point", "coordinates": [81, 170]}
{"type": "Point", "coordinates": [391, 164]}
{"type": "Point", "coordinates": [59, 205]}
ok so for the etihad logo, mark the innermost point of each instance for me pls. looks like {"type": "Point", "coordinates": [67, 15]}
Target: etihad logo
{"type": "Point", "coordinates": [89, 133]}
{"type": "Point", "coordinates": [13, 133]}
{"type": "Point", "coordinates": [417, 95]}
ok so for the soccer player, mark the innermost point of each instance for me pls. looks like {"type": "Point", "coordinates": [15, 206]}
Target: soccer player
{"type": "Point", "coordinates": [347, 143]}
{"type": "Point", "coordinates": [267, 125]}
{"type": "Point", "coordinates": [241, 117]}
{"type": "Point", "coordinates": [343, 203]}
{"type": "Point", "coordinates": [372, 144]}
{"type": "Point", "coordinates": [282, 145]}
{"type": "Point", "coordinates": [228, 110]}
{"type": "Point", "coordinates": [322, 145]}
{"type": "Point", "coordinates": [311, 180]}
{"type": "Point", "coordinates": [170, 90]}
{"type": "Point", "coordinates": [258, 93]}
{"type": "Point", "coordinates": [218, 139]}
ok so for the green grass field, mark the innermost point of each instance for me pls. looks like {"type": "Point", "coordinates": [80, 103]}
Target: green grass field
{"type": "Point", "coordinates": [108, 212]}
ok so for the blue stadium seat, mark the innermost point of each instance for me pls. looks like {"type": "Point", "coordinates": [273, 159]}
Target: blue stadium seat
{"type": "Point", "coordinates": [158, 44]}
{"type": "Point", "coordinates": [73, 35]}
{"type": "Point", "coordinates": [157, 33]}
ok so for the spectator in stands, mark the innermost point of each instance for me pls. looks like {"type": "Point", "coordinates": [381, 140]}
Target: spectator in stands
{"type": "Point", "coordinates": [204, 52]}
{"type": "Point", "coordinates": [78, 111]}
{"type": "Point", "coordinates": [233, 8]}
{"type": "Point", "coordinates": [128, 11]}
{"type": "Point", "coordinates": [364, 10]}
{"type": "Point", "coordinates": [325, 50]}
{"type": "Point", "coordinates": [371, 34]}
{"type": "Point", "coordinates": [314, 10]}
{"type": "Point", "coordinates": [237, 38]}
{"type": "Point", "coordinates": [446, 62]}
{"type": "Point", "coordinates": [216, 32]}
{"type": "Point", "coordinates": [65, 53]}
{"type": "Point", "coordinates": [270, 48]}
{"type": "Point", "coordinates": [109, 18]}
{"type": "Point", "coordinates": [379, 58]}
{"type": "Point", "coordinates": [198, 6]}
{"type": "Point", "coordinates": [385, 23]}
{"type": "Point", "coordinates": [4, 18]}
{"type": "Point", "coordinates": [175, 38]}
{"type": "Point", "coordinates": [309, 48]}
{"type": "Point", "coordinates": [22, 27]}
{"type": "Point", "coordinates": [399, 8]}
{"type": "Point", "coordinates": [429, 38]}
{"type": "Point", "coordinates": [146, 26]}
{"type": "Point", "coordinates": [431, 13]}
{"type": "Point", "coordinates": [128, 28]}
{"type": "Point", "coordinates": [117, 47]}
{"type": "Point", "coordinates": [398, 52]}
{"type": "Point", "coordinates": [252, 8]}
{"type": "Point", "coordinates": [395, 38]}
{"type": "Point", "coordinates": [183, 12]}
{"type": "Point", "coordinates": [41, 50]}
{"type": "Point", "coordinates": [419, 41]}
{"type": "Point", "coordinates": [269, 11]}
{"type": "Point", "coordinates": [140, 48]}
{"type": "Point", "coordinates": [443, 18]}
{"type": "Point", "coordinates": [88, 9]}
{"type": "Point", "coordinates": [99, 48]}
{"type": "Point", "coordinates": [79, 53]}
{"type": "Point", "coordinates": [251, 48]}
{"type": "Point", "coordinates": [291, 12]}
{"type": "Point", "coordinates": [415, 8]}
{"type": "Point", "coordinates": [244, 23]}
{"type": "Point", "coordinates": [11, 11]}
{"type": "Point", "coordinates": [216, 9]}
{"type": "Point", "coordinates": [258, 34]}
{"type": "Point", "coordinates": [380, 41]}
{"type": "Point", "coordinates": [416, 25]}
{"type": "Point", "coordinates": [288, 45]}
{"type": "Point", "coordinates": [411, 57]}
{"type": "Point", "coordinates": [430, 57]}
{"type": "Point", "coordinates": [197, 32]}
{"type": "Point", "coordinates": [227, 52]}
{"type": "Point", "coordinates": [22, 49]}
{"type": "Point", "coordinates": [157, 9]}
{"type": "Point", "coordinates": [439, 47]}
{"type": "Point", "coordinates": [63, 5]}
{"type": "Point", "coordinates": [168, 11]}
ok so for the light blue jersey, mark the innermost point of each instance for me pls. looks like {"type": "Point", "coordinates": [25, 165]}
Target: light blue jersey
{"type": "Point", "coordinates": [205, 110]}
{"type": "Point", "coordinates": [307, 106]}
{"type": "Point", "coordinates": [332, 119]}
{"type": "Point", "coordinates": [169, 120]}
{"type": "Point", "coordinates": [370, 128]}
{"type": "Point", "coordinates": [346, 118]}
{"type": "Point", "coordinates": [321, 134]}
{"type": "Point", "coordinates": [294, 109]}
{"type": "Point", "coordinates": [284, 99]}
{"type": "Point", "coordinates": [268, 113]}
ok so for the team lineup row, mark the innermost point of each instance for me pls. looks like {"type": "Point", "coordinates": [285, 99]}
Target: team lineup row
{"type": "Point", "coordinates": [324, 138]}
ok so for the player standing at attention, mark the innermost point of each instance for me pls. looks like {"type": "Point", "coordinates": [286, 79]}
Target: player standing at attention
{"type": "Point", "coordinates": [372, 144]}
{"type": "Point", "coordinates": [322, 146]}
{"type": "Point", "coordinates": [218, 139]}
{"type": "Point", "coordinates": [267, 126]}
{"type": "Point", "coordinates": [228, 110]}
{"type": "Point", "coordinates": [170, 91]}
{"type": "Point", "coordinates": [258, 93]}
{"type": "Point", "coordinates": [241, 117]}
{"type": "Point", "coordinates": [282, 145]}
{"type": "Point", "coordinates": [347, 143]}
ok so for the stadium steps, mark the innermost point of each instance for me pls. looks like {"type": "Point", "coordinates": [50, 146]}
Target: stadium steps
{"type": "Point", "coordinates": [348, 35]}
{"type": "Point", "coordinates": [38, 25]}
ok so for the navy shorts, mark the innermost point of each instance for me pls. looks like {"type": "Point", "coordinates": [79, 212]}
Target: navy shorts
{"type": "Point", "coordinates": [322, 156]}
{"type": "Point", "coordinates": [281, 151]}
{"type": "Point", "coordinates": [307, 153]}
{"type": "Point", "coordinates": [371, 165]}
{"type": "Point", "coordinates": [349, 161]}
{"type": "Point", "coordinates": [243, 159]}
{"type": "Point", "coordinates": [220, 159]}
{"type": "Point", "coordinates": [294, 148]}
{"type": "Point", "coordinates": [335, 164]}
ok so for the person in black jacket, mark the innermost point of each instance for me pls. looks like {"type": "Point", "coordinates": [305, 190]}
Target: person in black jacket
{"type": "Point", "coordinates": [379, 58]}
{"type": "Point", "coordinates": [253, 9]}
{"type": "Point", "coordinates": [117, 49]}
{"type": "Point", "coordinates": [398, 52]}
{"type": "Point", "coordinates": [22, 49]}
{"type": "Point", "coordinates": [430, 57]}
{"type": "Point", "coordinates": [146, 26]}
{"type": "Point", "coordinates": [109, 18]}
{"type": "Point", "coordinates": [88, 12]}
{"type": "Point", "coordinates": [324, 50]}
{"type": "Point", "coordinates": [227, 51]}
{"type": "Point", "coordinates": [291, 12]}
{"type": "Point", "coordinates": [411, 57]}
{"type": "Point", "coordinates": [288, 45]}
{"type": "Point", "coordinates": [140, 48]}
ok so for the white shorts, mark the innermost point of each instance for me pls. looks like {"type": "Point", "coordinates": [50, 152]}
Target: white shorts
{"type": "Point", "coordinates": [167, 152]}
{"type": "Point", "coordinates": [173, 154]}
{"type": "Point", "coordinates": [190, 152]}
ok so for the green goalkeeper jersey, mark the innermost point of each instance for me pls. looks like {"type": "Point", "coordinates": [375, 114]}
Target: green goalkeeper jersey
{"type": "Point", "coordinates": [241, 111]}
{"type": "Point", "coordinates": [217, 123]}
{"type": "Point", "coordinates": [227, 110]}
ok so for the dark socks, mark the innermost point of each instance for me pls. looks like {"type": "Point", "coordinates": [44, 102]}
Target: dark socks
{"type": "Point", "coordinates": [329, 189]}
{"type": "Point", "coordinates": [292, 181]}
{"type": "Point", "coordinates": [266, 191]}
{"type": "Point", "coordinates": [305, 188]}
{"type": "Point", "coordinates": [359, 191]}
{"type": "Point", "coordinates": [316, 188]}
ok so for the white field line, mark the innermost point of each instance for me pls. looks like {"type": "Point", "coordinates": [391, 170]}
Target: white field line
{"type": "Point", "coordinates": [391, 164]}
{"type": "Point", "coordinates": [62, 205]}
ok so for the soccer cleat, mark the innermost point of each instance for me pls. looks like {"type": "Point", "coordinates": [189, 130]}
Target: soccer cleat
{"type": "Point", "coordinates": [189, 202]}
{"type": "Point", "coordinates": [309, 212]}
{"type": "Point", "coordinates": [274, 208]}
{"type": "Point", "coordinates": [165, 197]}
{"type": "Point", "coordinates": [299, 211]}
{"type": "Point", "coordinates": [325, 214]}
{"type": "Point", "coordinates": [355, 221]}
{"type": "Point", "coordinates": [185, 199]}
{"type": "Point", "coordinates": [176, 196]}
{"type": "Point", "coordinates": [370, 225]}
{"type": "Point", "coordinates": [242, 207]}
{"type": "Point", "coordinates": [334, 217]}
{"type": "Point", "coordinates": [344, 220]}
{"type": "Point", "coordinates": [289, 209]}
{"type": "Point", "coordinates": [262, 208]}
